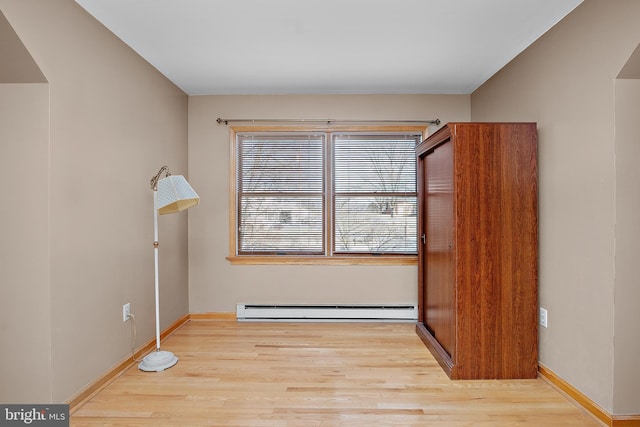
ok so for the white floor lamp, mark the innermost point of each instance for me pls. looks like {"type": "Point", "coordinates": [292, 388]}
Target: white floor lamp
{"type": "Point", "coordinates": [170, 194]}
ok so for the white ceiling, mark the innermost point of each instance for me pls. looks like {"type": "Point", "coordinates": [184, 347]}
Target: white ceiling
{"type": "Point", "coordinates": [328, 46]}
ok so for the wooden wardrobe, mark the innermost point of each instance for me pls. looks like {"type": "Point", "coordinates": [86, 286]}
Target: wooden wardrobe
{"type": "Point", "coordinates": [477, 249]}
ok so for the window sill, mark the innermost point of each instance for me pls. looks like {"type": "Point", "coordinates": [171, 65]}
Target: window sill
{"type": "Point", "coordinates": [319, 260]}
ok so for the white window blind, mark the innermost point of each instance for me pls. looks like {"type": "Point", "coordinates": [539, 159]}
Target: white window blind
{"type": "Point", "coordinates": [280, 201]}
{"type": "Point", "coordinates": [375, 193]}
{"type": "Point", "coordinates": [326, 194]}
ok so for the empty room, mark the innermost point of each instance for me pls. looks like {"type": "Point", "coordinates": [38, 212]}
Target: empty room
{"type": "Point", "coordinates": [407, 213]}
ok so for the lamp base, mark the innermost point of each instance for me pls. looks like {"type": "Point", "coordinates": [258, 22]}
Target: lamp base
{"type": "Point", "coordinates": [158, 361]}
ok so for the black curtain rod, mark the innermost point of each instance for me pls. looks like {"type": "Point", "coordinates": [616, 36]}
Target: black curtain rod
{"type": "Point", "coordinates": [325, 121]}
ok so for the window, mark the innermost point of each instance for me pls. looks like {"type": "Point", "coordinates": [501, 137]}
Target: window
{"type": "Point", "coordinates": [280, 194]}
{"type": "Point", "coordinates": [342, 194]}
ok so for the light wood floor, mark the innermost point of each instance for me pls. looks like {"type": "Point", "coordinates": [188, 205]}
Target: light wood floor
{"type": "Point", "coordinates": [316, 374]}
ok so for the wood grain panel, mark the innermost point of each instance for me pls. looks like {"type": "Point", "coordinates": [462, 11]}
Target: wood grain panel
{"type": "Point", "coordinates": [316, 374]}
{"type": "Point", "coordinates": [439, 295]}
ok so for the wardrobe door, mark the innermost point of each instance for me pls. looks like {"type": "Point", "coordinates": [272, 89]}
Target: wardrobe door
{"type": "Point", "coordinates": [439, 280]}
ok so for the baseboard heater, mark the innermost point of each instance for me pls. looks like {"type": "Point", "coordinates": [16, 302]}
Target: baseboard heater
{"type": "Point", "coordinates": [326, 313]}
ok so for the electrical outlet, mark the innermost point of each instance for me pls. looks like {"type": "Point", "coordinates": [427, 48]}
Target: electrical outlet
{"type": "Point", "coordinates": [126, 311]}
{"type": "Point", "coordinates": [543, 317]}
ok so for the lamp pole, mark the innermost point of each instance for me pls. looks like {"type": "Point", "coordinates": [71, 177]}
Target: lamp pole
{"type": "Point", "coordinates": [154, 187]}
{"type": "Point", "coordinates": [156, 263]}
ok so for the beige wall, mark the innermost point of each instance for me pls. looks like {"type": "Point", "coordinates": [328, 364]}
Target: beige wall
{"type": "Point", "coordinates": [21, 68]}
{"type": "Point", "coordinates": [626, 387]}
{"type": "Point", "coordinates": [25, 316]}
{"type": "Point", "coordinates": [217, 286]}
{"type": "Point", "coordinates": [114, 121]}
{"type": "Point", "coordinates": [565, 82]}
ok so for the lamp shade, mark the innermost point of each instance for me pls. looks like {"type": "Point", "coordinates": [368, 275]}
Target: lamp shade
{"type": "Point", "coordinates": [175, 195]}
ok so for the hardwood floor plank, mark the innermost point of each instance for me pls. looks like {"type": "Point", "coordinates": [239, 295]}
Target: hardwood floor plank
{"type": "Point", "coordinates": [316, 374]}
